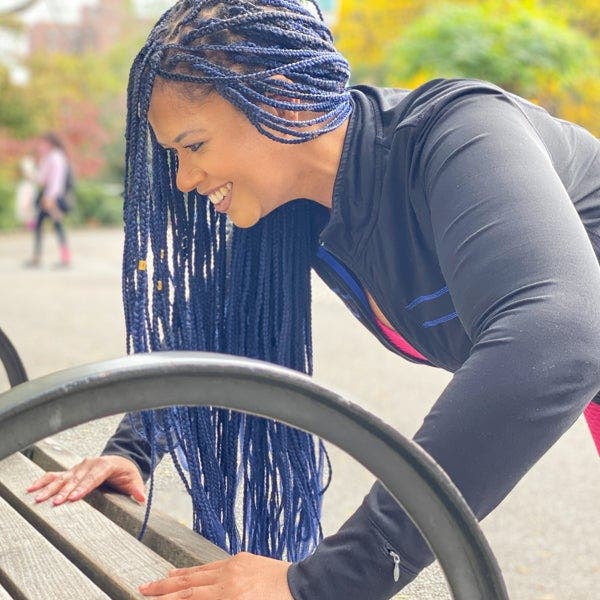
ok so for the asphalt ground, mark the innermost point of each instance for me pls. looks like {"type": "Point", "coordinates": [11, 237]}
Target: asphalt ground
{"type": "Point", "coordinates": [545, 535]}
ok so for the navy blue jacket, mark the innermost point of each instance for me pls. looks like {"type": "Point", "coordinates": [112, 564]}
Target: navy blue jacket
{"type": "Point", "coordinates": [467, 214]}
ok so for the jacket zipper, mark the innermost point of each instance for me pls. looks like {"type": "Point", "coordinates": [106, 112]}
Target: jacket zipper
{"type": "Point", "coordinates": [396, 560]}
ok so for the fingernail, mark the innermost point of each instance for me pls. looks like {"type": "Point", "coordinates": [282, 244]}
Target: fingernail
{"type": "Point", "coordinates": [58, 499]}
{"type": "Point", "coordinates": [74, 495]}
{"type": "Point", "coordinates": [144, 587]}
{"type": "Point", "coordinates": [39, 498]}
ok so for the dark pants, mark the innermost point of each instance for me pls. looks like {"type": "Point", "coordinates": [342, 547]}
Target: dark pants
{"type": "Point", "coordinates": [58, 227]}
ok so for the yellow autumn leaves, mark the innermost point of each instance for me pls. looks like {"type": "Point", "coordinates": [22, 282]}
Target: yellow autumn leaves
{"type": "Point", "coordinates": [547, 51]}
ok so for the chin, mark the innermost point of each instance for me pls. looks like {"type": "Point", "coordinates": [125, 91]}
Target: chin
{"type": "Point", "coordinates": [245, 219]}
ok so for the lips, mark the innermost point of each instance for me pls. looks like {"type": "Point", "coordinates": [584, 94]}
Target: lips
{"type": "Point", "coordinates": [220, 197]}
{"type": "Point", "coordinates": [225, 203]}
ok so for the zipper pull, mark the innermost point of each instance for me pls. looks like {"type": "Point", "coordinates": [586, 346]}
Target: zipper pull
{"type": "Point", "coordinates": [396, 565]}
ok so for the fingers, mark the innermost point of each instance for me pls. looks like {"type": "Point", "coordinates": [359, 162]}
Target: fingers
{"type": "Point", "coordinates": [50, 484]}
{"type": "Point", "coordinates": [86, 477]}
{"type": "Point", "coordinates": [210, 592]}
{"type": "Point", "coordinates": [73, 484]}
{"type": "Point", "coordinates": [190, 582]}
{"type": "Point", "coordinates": [42, 482]}
{"type": "Point", "coordinates": [217, 564]}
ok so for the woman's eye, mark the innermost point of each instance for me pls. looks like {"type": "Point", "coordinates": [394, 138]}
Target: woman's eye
{"type": "Point", "coordinates": [195, 147]}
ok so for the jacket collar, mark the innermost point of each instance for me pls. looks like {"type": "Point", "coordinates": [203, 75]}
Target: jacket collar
{"type": "Point", "coordinates": [357, 180]}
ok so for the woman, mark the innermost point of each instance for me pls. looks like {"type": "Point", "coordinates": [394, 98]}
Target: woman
{"type": "Point", "coordinates": [454, 220]}
{"type": "Point", "coordinates": [53, 180]}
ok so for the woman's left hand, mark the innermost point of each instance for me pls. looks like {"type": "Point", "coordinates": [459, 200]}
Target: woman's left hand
{"type": "Point", "coordinates": [242, 577]}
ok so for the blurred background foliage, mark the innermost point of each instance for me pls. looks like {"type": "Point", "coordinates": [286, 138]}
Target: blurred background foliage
{"type": "Point", "coordinates": [545, 50]}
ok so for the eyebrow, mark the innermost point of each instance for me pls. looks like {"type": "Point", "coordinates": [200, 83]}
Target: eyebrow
{"type": "Point", "coordinates": [185, 133]}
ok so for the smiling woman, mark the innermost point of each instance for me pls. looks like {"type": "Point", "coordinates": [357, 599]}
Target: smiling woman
{"type": "Point", "coordinates": [453, 220]}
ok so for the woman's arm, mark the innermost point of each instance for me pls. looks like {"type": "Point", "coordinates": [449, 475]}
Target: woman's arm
{"type": "Point", "coordinates": [526, 285]}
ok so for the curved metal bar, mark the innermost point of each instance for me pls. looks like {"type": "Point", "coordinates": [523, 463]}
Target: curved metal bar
{"type": "Point", "coordinates": [61, 400]}
{"type": "Point", "coordinates": [13, 365]}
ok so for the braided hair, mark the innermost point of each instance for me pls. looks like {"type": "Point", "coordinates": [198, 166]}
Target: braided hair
{"type": "Point", "coordinates": [189, 283]}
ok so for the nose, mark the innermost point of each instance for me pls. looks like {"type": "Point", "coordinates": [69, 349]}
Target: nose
{"type": "Point", "coordinates": [189, 178]}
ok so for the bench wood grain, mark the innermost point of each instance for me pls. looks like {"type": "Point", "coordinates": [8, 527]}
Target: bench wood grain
{"type": "Point", "coordinates": [114, 560]}
{"type": "Point", "coordinates": [26, 553]}
{"type": "Point", "coordinates": [167, 537]}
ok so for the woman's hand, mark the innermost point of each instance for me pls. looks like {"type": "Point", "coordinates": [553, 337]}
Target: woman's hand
{"type": "Point", "coordinates": [118, 472]}
{"type": "Point", "coordinates": [242, 577]}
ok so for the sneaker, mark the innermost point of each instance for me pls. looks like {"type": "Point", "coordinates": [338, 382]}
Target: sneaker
{"type": "Point", "coordinates": [65, 256]}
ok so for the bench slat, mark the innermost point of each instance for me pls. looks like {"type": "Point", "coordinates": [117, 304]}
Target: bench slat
{"type": "Point", "coordinates": [172, 540]}
{"type": "Point", "coordinates": [26, 555]}
{"type": "Point", "coordinates": [109, 556]}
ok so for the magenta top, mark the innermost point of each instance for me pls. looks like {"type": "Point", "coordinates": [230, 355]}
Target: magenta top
{"type": "Point", "coordinates": [398, 341]}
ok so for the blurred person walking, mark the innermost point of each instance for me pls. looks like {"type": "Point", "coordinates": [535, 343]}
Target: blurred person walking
{"type": "Point", "coordinates": [55, 180]}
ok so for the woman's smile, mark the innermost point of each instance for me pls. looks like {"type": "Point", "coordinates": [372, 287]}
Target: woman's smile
{"type": "Point", "coordinates": [221, 197]}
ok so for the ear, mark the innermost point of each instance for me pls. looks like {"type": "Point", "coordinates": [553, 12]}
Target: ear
{"type": "Point", "coordinates": [290, 115]}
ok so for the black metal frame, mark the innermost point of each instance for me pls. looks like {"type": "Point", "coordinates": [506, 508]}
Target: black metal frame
{"type": "Point", "coordinates": [64, 399]}
{"type": "Point", "coordinates": [11, 360]}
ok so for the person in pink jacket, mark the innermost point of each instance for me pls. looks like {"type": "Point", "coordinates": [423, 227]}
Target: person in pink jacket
{"type": "Point", "coordinates": [53, 178]}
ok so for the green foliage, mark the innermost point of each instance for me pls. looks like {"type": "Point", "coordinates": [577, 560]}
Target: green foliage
{"type": "Point", "coordinates": [7, 205]}
{"type": "Point", "coordinates": [15, 114]}
{"type": "Point", "coordinates": [520, 50]}
{"type": "Point", "coordinates": [366, 29]}
{"type": "Point", "coordinates": [97, 203]}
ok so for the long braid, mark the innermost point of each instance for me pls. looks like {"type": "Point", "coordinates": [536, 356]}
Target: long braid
{"type": "Point", "coordinates": [189, 283]}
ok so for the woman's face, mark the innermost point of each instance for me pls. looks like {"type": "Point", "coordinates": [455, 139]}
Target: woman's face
{"type": "Point", "coordinates": [220, 154]}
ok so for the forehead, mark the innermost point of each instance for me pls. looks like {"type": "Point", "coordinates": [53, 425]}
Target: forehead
{"type": "Point", "coordinates": [168, 100]}
{"type": "Point", "coordinates": [171, 108]}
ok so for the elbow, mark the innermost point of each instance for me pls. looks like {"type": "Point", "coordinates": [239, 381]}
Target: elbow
{"type": "Point", "coordinates": [574, 341]}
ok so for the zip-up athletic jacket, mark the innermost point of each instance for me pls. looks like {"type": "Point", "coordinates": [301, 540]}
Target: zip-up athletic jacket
{"type": "Point", "coordinates": [463, 211]}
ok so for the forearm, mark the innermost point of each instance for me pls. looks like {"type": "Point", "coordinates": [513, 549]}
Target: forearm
{"type": "Point", "coordinates": [358, 561]}
{"type": "Point", "coordinates": [500, 413]}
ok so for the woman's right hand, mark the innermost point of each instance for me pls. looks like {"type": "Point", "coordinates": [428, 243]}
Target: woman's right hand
{"type": "Point", "coordinates": [118, 472]}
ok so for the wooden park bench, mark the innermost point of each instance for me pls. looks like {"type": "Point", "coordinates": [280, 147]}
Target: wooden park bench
{"type": "Point", "coordinates": [88, 549]}
{"type": "Point", "coordinates": [85, 550]}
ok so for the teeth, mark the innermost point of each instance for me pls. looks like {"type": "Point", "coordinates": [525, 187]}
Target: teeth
{"type": "Point", "coordinates": [217, 196]}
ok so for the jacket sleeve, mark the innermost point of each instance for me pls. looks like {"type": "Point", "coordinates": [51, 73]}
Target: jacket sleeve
{"type": "Point", "coordinates": [526, 285]}
{"type": "Point", "coordinates": [127, 441]}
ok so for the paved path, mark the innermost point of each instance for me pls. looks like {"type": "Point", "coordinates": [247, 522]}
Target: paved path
{"type": "Point", "coordinates": [546, 535]}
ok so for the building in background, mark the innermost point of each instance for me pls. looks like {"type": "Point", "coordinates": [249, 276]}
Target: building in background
{"type": "Point", "coordinates": [98, 28]}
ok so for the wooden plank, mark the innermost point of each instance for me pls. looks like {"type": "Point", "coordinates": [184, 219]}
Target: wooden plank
{"type": "Point", "coordinates": [32, 568]}
{"type": "Point", "coordinates": [107, 554]}
{"type": "Point", "coordinates": [167, 537]}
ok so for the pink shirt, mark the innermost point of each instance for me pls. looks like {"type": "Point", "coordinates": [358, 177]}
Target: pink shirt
{"type": "Point", "coordinates": [53, 173]}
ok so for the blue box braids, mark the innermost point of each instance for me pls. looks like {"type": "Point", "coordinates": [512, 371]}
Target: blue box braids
{"type": "Point", "coordinates": [189, 285]}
